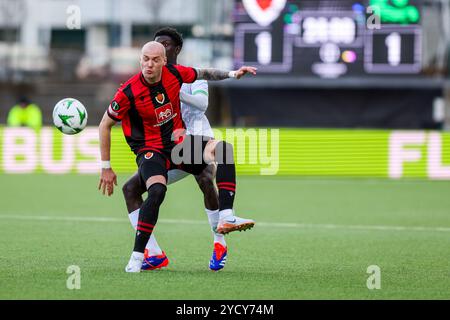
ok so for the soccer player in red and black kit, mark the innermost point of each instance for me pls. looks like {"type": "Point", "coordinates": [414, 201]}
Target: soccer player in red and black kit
{"type": "Point", "coordinates": [194, 102]}
{"type": "Point", "coordinates": [148, 105]}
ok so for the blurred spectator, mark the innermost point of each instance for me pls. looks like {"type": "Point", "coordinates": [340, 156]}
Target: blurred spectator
{"type": "Point", "coordinates": [25, 113]}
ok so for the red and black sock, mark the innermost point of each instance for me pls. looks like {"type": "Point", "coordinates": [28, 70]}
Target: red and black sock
{"type": "Point", "coordinates": [226, 175]}
{"type": "Point", "coordinates": [148, 215]}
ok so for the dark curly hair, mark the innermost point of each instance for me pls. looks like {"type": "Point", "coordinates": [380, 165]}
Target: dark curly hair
{"type": "Point", "coordinates": [172, 33]}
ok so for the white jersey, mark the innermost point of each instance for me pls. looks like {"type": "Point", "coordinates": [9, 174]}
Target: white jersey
{"type": "Point", "coordinates": [195, 119]}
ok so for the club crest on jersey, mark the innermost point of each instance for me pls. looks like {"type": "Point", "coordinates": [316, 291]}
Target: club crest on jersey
{"type": "Point", "coordinates": [148, 155]}
{"type": "Point", "coordinates": [160, 98]}
{"type": "Point", "coordinates": [264, 12]}
{"type": "Point", "coordinates": [164, 114]}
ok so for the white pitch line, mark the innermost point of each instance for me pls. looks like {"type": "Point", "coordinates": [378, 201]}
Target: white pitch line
{"type": "Point", "coordinates": [259, 224]}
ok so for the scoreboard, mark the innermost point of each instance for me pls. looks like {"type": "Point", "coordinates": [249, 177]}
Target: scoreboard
{"type": "Point", "coordinates": [329, 39]}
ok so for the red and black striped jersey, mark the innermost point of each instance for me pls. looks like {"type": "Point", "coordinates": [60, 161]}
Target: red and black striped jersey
{"type": "Point", "coordinates": [151, 113]}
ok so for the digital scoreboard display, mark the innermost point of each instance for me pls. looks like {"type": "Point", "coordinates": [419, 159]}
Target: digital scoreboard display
{"type": "Point", "coordinates": [329, 39]}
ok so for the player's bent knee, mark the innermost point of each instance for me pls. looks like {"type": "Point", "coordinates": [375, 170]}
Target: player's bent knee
{"type": "Point", "coordinates": [155, 179]}
{"type": "Point", "coordinates": [157, 193]}
{"type": "Point", "coordinates": [205, 180]}
{"type": "Point", "coordinates": [150, 207]}
{"type": "Point", "coordinates": [130, 190]}
{"type": "Point", "coordinates": [209, 152]}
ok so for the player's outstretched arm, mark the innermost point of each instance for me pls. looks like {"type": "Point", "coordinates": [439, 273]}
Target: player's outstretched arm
{"type": "Point", "coordinates": [107, 177]}
{"type": "Point", "coordinates": [216, 74]}
{"type": "Point", "coordinates": [198, 101]}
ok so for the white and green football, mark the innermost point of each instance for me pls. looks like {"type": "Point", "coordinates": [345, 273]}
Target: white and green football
{"type": "Point", "coordinates": [70, 116]}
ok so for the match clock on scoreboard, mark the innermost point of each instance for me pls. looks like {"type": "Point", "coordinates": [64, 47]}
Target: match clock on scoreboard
{"type": "Point", "coordinates": [329, 39]}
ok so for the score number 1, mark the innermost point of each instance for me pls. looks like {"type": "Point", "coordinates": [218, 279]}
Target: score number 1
{"type": "Point", "coordinates": [394, 49]}
{"type": "Point", "coordinates": [394, 45]}
{"type": "Point", "coordinates": [264, 47]}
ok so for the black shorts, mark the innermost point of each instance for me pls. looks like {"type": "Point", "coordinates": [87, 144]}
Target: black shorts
{"type": "Point", "coordinates": [186, 156]}
{"type": "Point", "coordinates": [151, 164]}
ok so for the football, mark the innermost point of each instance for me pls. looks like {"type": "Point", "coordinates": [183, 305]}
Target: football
{"type": "Point", "coordinates": [70, 116]}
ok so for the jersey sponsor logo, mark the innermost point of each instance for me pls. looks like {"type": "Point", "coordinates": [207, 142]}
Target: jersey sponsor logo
{"type": "Point", "coordinates": [148, 155]}
{"type": "Point", "coordinates": [264, 12]}
{"type": "Point", "coordinates": [160, 98]}
{"type": "Point", "coordinates": [164, 114]}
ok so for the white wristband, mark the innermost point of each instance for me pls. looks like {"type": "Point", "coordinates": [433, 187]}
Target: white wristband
{"type": "Point", "coordinates": [232, 74]}
{"type": "Point", "coordinates": [106, 164]}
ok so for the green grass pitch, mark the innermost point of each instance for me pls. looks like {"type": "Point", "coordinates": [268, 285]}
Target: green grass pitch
{"type": "Point", "coordinates": [314, 239]}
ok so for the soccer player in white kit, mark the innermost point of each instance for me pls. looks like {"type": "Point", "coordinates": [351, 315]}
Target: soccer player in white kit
{"type": "Point", "coordinates": [194, 103]}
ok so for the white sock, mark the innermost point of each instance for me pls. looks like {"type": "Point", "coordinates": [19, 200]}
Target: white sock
{"type": "Point", "coordinates": [152, 245]}
{"type": "Point", "coordinates": [134, 217]}
{"type": "Point", "coordinates": [225, 213]}
{"type": "Point", "coordinates": [137, 255]}
{"type": "Point", "coordinates": [213, 218]}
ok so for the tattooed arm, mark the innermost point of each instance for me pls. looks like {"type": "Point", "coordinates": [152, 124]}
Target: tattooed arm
{"type": "Point", "coordinates": [216, 74]}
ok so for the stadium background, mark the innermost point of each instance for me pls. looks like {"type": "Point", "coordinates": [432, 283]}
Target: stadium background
{"type": "Point", "coordinates": [342, 134]}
